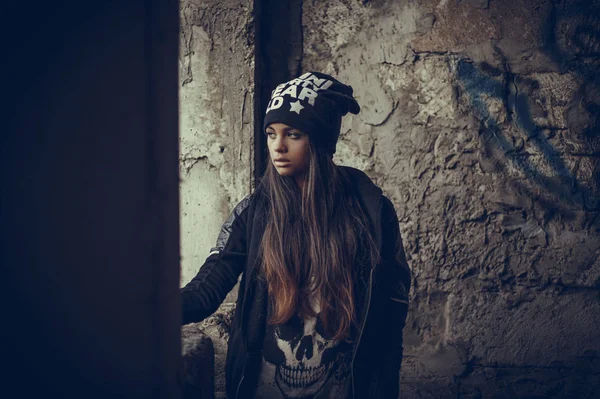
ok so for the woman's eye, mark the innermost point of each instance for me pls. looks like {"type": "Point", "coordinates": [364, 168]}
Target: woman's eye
{"type": "Point", "coordinates": [292, 135]}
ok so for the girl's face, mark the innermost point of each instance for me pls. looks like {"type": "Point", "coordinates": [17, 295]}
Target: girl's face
{"type": "Point", "coordinates": [289, 150]}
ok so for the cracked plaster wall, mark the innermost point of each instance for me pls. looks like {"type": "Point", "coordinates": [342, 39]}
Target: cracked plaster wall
{"type": "Point", "coordinates": [216, 98]}
{"type": "Point", "coordinates": [216, 74]}
{"type": "Point", "coordinates": [479, 121]}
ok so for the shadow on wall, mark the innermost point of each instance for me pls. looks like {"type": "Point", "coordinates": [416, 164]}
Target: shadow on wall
{"type": "Point", "coordinates": [560, 191]}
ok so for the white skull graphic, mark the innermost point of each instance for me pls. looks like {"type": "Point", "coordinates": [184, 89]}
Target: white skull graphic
{"type": "Point", "coordinates": [302, 355]}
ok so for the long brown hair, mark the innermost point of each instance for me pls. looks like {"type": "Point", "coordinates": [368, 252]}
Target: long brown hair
{"type": "Point", "coordinates": [319, 232]}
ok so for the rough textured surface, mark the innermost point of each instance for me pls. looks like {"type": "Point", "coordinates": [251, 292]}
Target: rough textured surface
{"type": "Point", "coordinates": [485, 137]}
{"type": "Point", "coordinates": [198, 363]}
{"type": "Point", "coordinates": [216, 114]}
{"type": "Point", "coordinates": [216, 150]}
{"type": "Point", "coordinates": [480, 122]}
{"type": "Point", "coordinates": [215, 329]}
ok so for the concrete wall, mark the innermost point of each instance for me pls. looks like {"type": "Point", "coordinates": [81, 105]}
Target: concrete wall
{"type": "Point", "coordinates": [480, 121]}
{"type": "Point", "coordinates": [216, 97]}
{"type": "Point", "coordinates": [216, 73]}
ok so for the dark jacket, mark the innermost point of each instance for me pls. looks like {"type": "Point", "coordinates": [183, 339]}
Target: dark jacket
{"type": "Point", "coordinates": [382, 301]}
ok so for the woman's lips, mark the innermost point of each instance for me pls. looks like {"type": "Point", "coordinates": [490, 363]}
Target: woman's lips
{"type": "Point", "coordinates": [282, 163]}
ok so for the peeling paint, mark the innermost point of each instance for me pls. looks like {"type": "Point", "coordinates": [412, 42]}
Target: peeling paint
{"type": "Point", "coordinates": [216, 108]}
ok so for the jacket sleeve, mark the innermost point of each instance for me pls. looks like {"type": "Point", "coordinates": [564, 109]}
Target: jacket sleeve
{"type": "Point", "coordinates": [396, 283]}
{"type": "Point", "coordinates": [203, 295]}
{"type": "Point", "coordinates": [397, 272]}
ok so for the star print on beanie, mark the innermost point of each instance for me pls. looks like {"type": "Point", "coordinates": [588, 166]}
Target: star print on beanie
{"type": "Point", "coordinates": [313, 103]}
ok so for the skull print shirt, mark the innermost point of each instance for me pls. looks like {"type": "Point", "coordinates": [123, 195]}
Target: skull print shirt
{"type": "Point", "coordinates": [299, 361]}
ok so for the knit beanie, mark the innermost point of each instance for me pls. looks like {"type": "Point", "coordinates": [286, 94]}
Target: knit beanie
{"type": "Point", "coordinates": [313, 103]}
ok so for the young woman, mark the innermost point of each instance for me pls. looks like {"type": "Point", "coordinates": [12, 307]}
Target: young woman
{"type": "Point", "coordinates": [323, 296]}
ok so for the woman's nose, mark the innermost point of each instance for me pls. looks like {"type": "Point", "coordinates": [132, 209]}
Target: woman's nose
{"type": "Point", "coordinates": [279, 144]}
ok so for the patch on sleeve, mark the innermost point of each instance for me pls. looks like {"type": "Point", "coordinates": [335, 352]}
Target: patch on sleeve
{"type": "Point", "coordinates": [226, 228]}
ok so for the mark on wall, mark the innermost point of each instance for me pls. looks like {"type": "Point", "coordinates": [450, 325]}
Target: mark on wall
{"type": "Point", "coordinates": [567, 192]}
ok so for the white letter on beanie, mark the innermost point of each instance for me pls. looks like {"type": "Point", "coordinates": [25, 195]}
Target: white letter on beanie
{"type": "Point", "coordinates": [317, 81]}
{"type": "Point", "coordinates": [276, 102]}
{"type": "Point", "coordinates": [291, 91]}
{"type": "Point", "coordinates": [306, 92]}
{"type": "Point", "coordinates": [296, 81]}
{"type": "Point", "coordinates": [326, 85]}
{"type": "Point", "coordinates": [306, 83]}
{"type": "Point", "coordinates": [277, 90]}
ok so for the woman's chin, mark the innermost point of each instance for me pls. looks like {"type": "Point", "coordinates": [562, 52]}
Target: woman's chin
{"type": "Point", "coordinates": [285, 171]}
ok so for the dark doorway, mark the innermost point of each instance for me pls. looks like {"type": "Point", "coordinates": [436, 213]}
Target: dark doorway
{"type": "Point", "coordinates": [89, 204]}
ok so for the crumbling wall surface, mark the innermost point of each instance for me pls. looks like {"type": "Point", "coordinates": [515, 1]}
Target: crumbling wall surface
{"type": "Point", "coordinates": [216, 112]}
{"type": "Point", "coordinates": [479, 120]}
{"type": "Point", "coordinates": [216, 100]}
